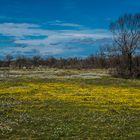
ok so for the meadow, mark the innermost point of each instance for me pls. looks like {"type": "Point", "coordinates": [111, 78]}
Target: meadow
{"type": "Point", "coordinates": [56, 104]}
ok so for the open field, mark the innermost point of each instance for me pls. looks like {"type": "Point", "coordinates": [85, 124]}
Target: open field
{"type": "Point", "coordinates": [68, 104]}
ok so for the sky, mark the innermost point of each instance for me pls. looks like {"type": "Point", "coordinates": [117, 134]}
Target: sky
{"type": "Point", "coordinates": [58, 28]}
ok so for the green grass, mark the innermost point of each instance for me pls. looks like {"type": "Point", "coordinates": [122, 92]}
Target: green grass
{"type": "Point", "coordinates": [71, 109]}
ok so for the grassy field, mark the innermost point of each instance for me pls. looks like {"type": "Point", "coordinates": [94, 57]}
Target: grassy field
{"type": "Point", "coordinates": [68, 105]}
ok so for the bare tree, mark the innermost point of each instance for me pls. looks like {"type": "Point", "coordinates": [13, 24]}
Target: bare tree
{"type": "Point", "coordinates": [126, 35]}
{"type": "Point", "coordinates": [8, 60]}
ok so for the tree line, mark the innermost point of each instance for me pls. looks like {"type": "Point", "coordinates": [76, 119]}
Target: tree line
{"type": "Point", "coordinates": [62, 63]}
{"type": "Point", "coordinates": [113, 63]}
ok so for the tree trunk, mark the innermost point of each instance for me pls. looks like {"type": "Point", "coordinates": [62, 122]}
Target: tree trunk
{"type": "Point", "coordinates": [130, 63]}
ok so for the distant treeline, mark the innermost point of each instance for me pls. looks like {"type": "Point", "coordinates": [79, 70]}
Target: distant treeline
{"type": "Point", "coordinates": [62, 63]}
{"type": "Point", "coordinates": [116, 64]}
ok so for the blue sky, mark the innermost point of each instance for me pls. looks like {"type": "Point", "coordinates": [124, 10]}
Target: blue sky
{"type": "Point", "coordinates": [59, 28]}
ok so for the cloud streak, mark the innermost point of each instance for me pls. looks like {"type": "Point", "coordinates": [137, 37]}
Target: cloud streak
{"type": "Point", "coordinates": [63, 24]}
{"type": "Point", "coordinates": [53, 42]}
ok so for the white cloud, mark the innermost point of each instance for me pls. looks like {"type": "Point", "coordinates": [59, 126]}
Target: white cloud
{"type": "Point", "coordinates": [67, 25]}
{"type": "Point", "coordinates": [64, 24]}
{"type": "Point", "coordinates": [19, 25]}
{"type": "Point", "coordinates": [21, 30]}
{"type": "Point", "coordinates": [56, 41]}
{"type": "Point", "coordinates": [64, 37]}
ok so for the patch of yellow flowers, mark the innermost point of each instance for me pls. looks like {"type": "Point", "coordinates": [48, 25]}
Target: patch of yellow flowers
{"type": "Point", "coordinates": [92, 95]}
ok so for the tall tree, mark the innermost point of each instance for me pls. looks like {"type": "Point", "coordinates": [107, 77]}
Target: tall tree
{"type": "Point", "coordinates": [126, 35]}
